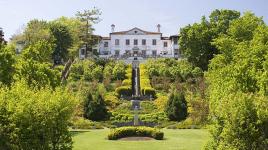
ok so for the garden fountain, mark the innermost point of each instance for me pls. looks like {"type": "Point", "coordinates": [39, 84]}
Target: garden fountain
{"type": "Point", "coordinates": [135, 90]}
{"type": "Point", "coordinates": [136, 117]}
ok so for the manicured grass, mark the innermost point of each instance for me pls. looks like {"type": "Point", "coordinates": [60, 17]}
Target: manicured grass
{"type": "Point", "coordinates": [188, 139]}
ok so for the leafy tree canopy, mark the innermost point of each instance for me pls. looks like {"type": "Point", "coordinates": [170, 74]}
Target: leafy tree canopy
{"type": "Point", "coordinates": [195, 40]}
{"type": "Point", "coordinates": [7, 61]}
{"type": "Point", "coordinates": [238, 82]}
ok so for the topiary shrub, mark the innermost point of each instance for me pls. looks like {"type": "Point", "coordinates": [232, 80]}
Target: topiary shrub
{"type": "Point", "coordinates": [94, 108]}
{"type": "Point", "coordinates": [123, 90]}
{"type": "Point", "coordinates": [176, 108]}
{"type": "Point", "coordinates": [135, 131]}
{"type": "Point", "coordinates": [148, 91]}
{"type": "Point", "coordinates": [126, 82]}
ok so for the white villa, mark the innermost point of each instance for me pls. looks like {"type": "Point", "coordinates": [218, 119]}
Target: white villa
{"type": "Point", "coordinates": [136, 42]}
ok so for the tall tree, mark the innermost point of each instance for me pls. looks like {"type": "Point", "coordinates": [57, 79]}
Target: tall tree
{"type": "Point", "coordinates": [195, 40]}
{"type": "Point", "coordinates": [74, 26]}
{"type": "Point", "coordinates": [63, 41]}
{"type": "Point", "coordinates": [35, 67]}
{"type": "Point", "coordinates": [238, 79]}
{"type": "Point", "coordinates": [37, 30]}
{"type": "Point", "coordinates": [176, 108]}
{"type": "Point", "coordinates": [88, 17]}
{"type": "Point", "coordinates": [7, 61]}
{"type": "Point", "coordinates": [94, 107]}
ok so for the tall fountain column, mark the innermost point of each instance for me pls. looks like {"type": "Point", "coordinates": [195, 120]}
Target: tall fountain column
{"type": "Point", "coordinates": [135, 89]}
{"type": "Point", "coordinates": [135, 79]}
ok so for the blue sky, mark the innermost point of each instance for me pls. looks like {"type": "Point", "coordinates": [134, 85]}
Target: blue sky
{"type": "Point", "coordinates": [125, 14]}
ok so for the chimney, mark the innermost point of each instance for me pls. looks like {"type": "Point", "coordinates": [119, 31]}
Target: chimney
{"type": "Point", "coordinates": [1, 35]}
{"type": "Point", "coordinates": [112, 27]}
{"type": "Point", "coordinates": [158, 27]}
{"type": "Point", "coordinates": [1, 32]}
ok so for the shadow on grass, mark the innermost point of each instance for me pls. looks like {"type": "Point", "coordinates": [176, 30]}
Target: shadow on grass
{"type": "Point", "coordinates": [77, 132]}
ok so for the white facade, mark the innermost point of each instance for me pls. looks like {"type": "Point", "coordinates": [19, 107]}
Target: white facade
{"type": "Point", "coordinates": [137, 42]}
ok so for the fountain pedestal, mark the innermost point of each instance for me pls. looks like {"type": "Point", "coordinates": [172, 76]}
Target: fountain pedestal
{"type": "Point", "coordinates": [136, 117]}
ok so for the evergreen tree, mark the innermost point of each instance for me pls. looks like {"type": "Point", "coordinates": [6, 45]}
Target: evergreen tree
{"type": "Point", "coordinates": [95, 108]}
{"type": "Point", "coordinates": [176, 108]}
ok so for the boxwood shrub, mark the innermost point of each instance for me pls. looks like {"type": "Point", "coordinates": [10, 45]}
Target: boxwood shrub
{"type": "Point", "coordinates": [123, 90]}
{"type": "Point", "coordinates": [141, 131]}
{"type": "Point", "coordinates": [127, 82]}
{"type": "Point", "coordinates": [149, 91]}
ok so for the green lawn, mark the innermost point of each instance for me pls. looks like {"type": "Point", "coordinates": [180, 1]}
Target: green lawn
{"type": "Point", "coordinates": [188, 139]}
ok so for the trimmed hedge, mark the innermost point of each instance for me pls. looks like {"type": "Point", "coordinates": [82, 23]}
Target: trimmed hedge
{"type": "Point", "coordinates": [116, 117]}
{"type": "Point", "coordinates": [124, 90]}
{"type": "Point", "coordinates": [146, 88]}
{"type": "Point", "coordinates": [148, 91]}
{"type": "Point", "coordinates": [135, 131]}
{"type": "Point", "coordinates": [81, 123]}
{"type": "Point", "coordinates": [127, 82]}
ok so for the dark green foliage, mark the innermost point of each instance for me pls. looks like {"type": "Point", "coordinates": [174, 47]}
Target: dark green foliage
{"type": "Point", "coordinates": [148, 91]}
{"type": "Point", "coordinates": [7, 61]}
{"type": "Point", "coordinates": [195, 40]}
{"type": "Point", "coordinates": [176, 108]}
{"type": "Point", "coordinates": [135, 131]}
{"type": "Point", "coordinates": [94, 107]}
{"type": "Point", "coordinates": [63, 41]}
{"type": "Point", "coordinates": [123, 91]}
{"type": "Point", "coordinates": [88, 18]}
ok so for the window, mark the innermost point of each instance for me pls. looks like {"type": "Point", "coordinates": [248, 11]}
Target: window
{"type": "Point", "coordinates": [106, 44]}
{"type": "Point", "coordinates": [135, 42]}
{"type": "Point", "coordinates": [117, 52]}
{"type": "Point", "coordinates": [127, 41]}
{"type": "Point", "coordinates": [143, 52]}
{"type": "Point", "coordinates": [105, 53]}
{"type": "Point", "coordinates": [116, 41]}
{"type": "Point", "coordinates": [135, 32]}
{"type": "Point", "coordinates": [143, 42]}
{"type": "Point", "coordinates": [154, 52]}
{"type": "Point", "coordinates": [165, 44]}
{"type": "Point", "coordinates": [82, 51]}
{"type": "Point", "coordinates": [176, 41]}
{"type": "Point", "coordinates": [154, 42]}
{"type": "Point", "coordinates": [176, 52]}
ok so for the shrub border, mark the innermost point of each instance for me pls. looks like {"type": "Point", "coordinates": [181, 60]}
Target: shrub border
{"type": "Point", "coordinates": [131, 131]}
